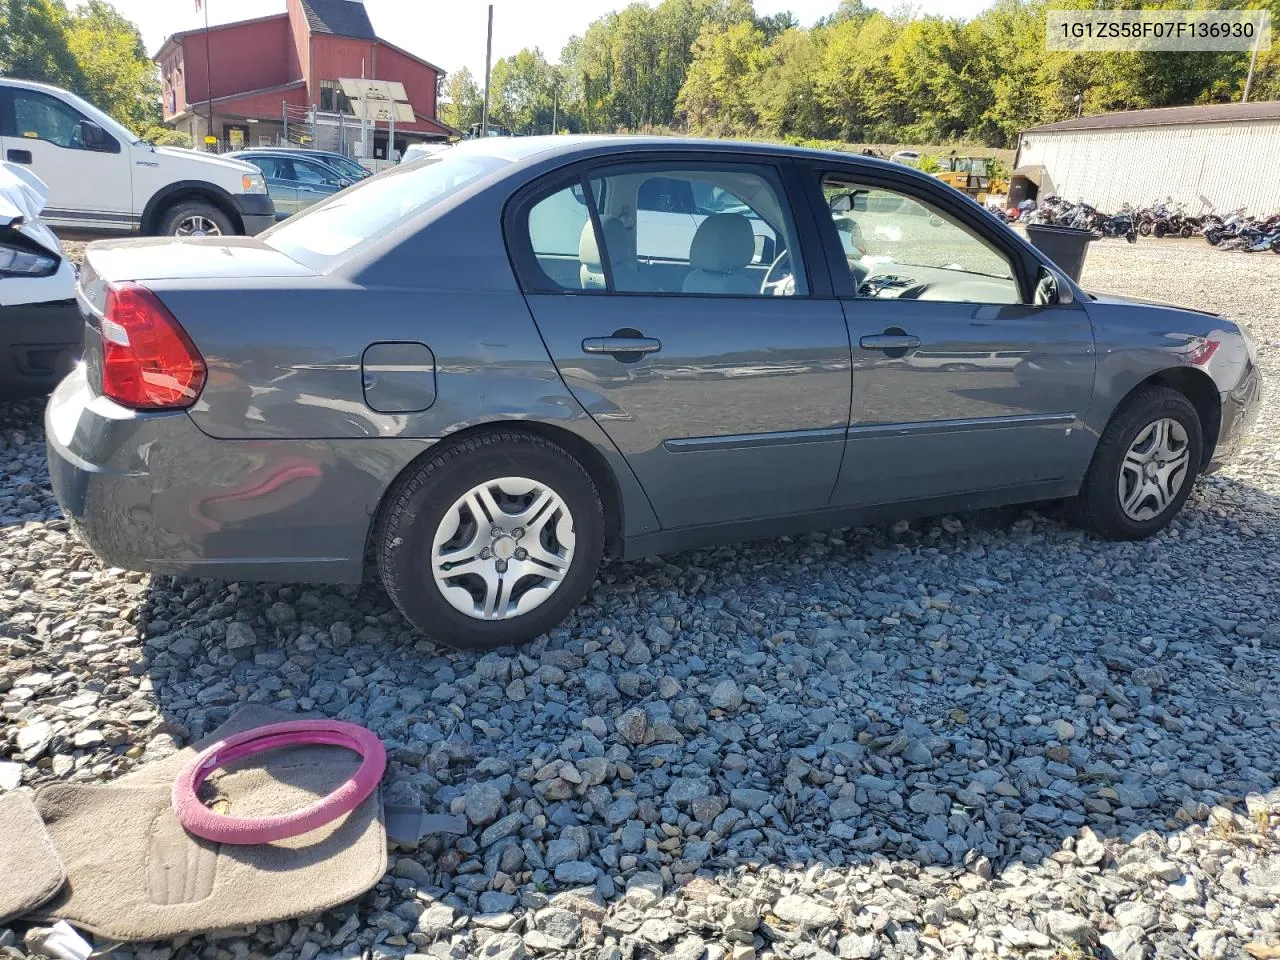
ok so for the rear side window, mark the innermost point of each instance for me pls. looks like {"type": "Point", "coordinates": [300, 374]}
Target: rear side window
{"type": "Point", "coordinates": [689, 229]}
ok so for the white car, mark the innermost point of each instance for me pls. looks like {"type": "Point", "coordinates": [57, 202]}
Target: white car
{"type": "Point", "coordinates": [41, 329]}
{"type": "Point", "coordinates": [907, 157]}
{"type": "Point", "coordinates": [103, 178]}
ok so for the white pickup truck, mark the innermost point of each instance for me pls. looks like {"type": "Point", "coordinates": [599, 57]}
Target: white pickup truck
{"type": "Point", "coordinates": [103, 179]}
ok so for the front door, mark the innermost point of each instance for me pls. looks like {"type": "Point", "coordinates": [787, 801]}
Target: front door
{"type": "Point", "coordinates": [723, 380]}
{"type": "Point", "coordinates": [88, 171]}
{"type": "Point", "coordinates": [959, 383]}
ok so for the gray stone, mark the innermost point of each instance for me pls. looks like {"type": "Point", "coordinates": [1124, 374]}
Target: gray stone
{"type": "Point", "coordinates": [726, 695]}
{"type": "Point", "coordinates": [804, 912]}
{"type": "Point", "coordinates": [1135, 913]}
{"type": "Point", "coordinates": [1070, 927]}
{"type": "Point", "coordinates": [576, 872]}
{"type": "Point", "coordinates": [505, 946]}
{"type": "Point", "coordinates": [750, 799]}
{"type": "Point", "coordinates": [483, 803]}
{"type": "Point", "coordinates": [631, 725]}
{"type": "Point", "coordinates": [494, 901]}
{"type": "Point", "coordinates": [1125, 943]}
{"type": "Point", "coordinates": [240, 635]}
{"type": "Point", "coordinates": [644, 889]}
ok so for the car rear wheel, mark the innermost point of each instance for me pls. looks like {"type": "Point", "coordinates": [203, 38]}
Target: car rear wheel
{"type": "Point", "coordinates": [491, 542]}
{"type": "Point", "coordinates": [1144, 467]}
{"type": "Point", "coordinates": [196, 219]}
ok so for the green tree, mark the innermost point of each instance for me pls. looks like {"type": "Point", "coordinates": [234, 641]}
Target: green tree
{"type": "Point", "coordinates": [520, 92]}
{"type": "Point", "coordinates": [717, 95]}
{"type": "Point", "coordinates": [116, 75]}
{"type": "Point", "coordinates": [786, 96]}
{"type": "Point", "coordinates": [162, 136]}
{"type": "Point", "coordinates": [33, 42]}
{"type": "Point", "coordinates": [462, 103]}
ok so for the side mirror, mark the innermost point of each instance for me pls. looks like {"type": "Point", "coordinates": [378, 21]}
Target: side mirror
{"type": "Point", "coordinates": [841, 203]}
{"type": "Point", "coordinates": [1051, 289]}
{"type": "Point", "coordinates": [94, 138]}
{"type": "Point", "coordinates": [344, 182]}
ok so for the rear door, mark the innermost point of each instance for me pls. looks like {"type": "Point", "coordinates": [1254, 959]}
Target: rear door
{"type": "Point", "coordinates": [281, 185]}
{"type": "Point", "coordinates": [961, 382]}
{"type": "Point", "coordinates": [90, 180]}
{"type": "Point", "coordinates": [729, 403]}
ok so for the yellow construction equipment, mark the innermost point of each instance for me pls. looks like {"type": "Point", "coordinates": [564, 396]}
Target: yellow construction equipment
{"type": "Point", "coordinates": [971, 175]}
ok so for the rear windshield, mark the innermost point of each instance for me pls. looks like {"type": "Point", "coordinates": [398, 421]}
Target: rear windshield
{"type": "Point", "coordinates": [328, 231]}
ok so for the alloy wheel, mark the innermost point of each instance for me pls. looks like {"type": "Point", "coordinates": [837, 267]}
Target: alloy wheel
{"type": "Point", "coordinates": [503, 548]}
{"type": "Point", "coordinates": [197, 226]}
{"type": "Point", "coordinates": [1154, 469]}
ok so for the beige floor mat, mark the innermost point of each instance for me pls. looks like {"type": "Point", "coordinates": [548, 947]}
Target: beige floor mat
{"type": "Point", "coordinates": [135, 874]}
{"type": "Point", "coordinates": [30, 871]}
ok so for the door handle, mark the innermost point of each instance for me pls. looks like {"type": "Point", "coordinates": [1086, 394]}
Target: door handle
{"type": "Point", "coordinates": [20, 156]}
{"type": "Point", "coordinates": [889, 341]}
{"type": "Point", "coordinates": [621, 345]}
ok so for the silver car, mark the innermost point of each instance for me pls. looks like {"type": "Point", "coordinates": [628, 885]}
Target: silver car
{"type": "Point", "coordinates": [422, 370]}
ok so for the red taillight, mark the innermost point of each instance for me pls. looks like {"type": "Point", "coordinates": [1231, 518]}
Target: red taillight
{"type": "Point", "coordinates": [148, 361]}
{"type": "Point", "coordinates": [1200, 350]}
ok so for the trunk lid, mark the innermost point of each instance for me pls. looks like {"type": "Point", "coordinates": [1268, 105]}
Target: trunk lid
{"type": "Point", "coordinates": [204, 258]}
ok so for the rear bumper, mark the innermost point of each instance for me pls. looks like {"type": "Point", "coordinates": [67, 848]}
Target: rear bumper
{"type": "Point", "coordinates": [39, 345]}
{"type": "Point", "coordinates": [151, 492]}
{"type": "Point", "coordinates": [257, 211]}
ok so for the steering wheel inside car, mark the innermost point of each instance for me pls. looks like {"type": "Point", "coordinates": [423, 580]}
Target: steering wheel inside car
{"type": "Point", "coordinates": [784, 285]}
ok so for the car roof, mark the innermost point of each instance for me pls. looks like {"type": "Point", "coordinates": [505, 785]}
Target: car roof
{"type": "Point", "coordinates": [30, 85]}
{"type": "Point", "coordinates": [268, 151]}
{"type": "Point", "coordinates": [522, 150]}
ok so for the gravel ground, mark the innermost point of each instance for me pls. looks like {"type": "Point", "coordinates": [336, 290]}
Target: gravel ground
{"type": "Point", "coordinates": [976, 736]}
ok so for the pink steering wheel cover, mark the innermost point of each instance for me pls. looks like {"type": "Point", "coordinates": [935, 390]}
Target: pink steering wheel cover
{"type": "Point", "coordinates": [203, 822]}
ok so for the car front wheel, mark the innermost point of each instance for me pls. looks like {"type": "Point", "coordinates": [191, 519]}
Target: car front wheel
{"type": "Point", "coordinates": [1144, 467]}
{"type": "Point", "coordinates": [491, 542]}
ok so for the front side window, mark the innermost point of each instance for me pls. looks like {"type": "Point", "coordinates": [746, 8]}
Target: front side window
{"type": "Point", "coordinates": [41, 117]}
{"type": "Point", "coordinates": [313, 173]}
{"type": "Point", "coordinates": [897, 247]}
{"type": "Point", "coordinates": [273, 168]}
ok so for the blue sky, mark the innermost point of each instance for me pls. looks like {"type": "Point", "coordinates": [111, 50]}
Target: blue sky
{"type": "Point", "coordinates": [450, 33]}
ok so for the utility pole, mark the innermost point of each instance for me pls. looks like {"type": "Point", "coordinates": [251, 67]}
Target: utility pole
{"type": "Point", "coordinates": [1253, 63]}
{"type": "Point", "coordinates": [555, 104]}
{"type": "Point", "coordinates": [208, 63]}
{"type": "Point", "coordinates": [488, 66]}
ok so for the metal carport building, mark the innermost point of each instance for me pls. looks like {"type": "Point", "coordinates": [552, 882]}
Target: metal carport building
{"type": "Point", "coordinates": [1218, 155]}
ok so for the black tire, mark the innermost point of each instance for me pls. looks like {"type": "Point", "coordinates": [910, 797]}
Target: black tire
{"type": "Point", "coordinates": [1213, 236]}
{"type": "Point", "coordinates": [173, 218]}
{"type": "Point", "coordinates": [1160, 229]}
{"type": "Point", "coordinates": [416, 504]}
{"type": "Point", "coordinates": [1144, 228]}
{"type": "Point", "coordinates": [1097, 508]}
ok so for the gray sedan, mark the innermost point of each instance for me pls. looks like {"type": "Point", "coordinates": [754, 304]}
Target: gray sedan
{"type": "Point", "coordinates": [474, 370]}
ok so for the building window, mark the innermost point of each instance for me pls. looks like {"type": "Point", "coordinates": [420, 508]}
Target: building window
{"type": "Point", "coordinates": [332, 99]}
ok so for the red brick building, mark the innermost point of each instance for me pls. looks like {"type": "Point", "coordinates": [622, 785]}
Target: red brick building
{"type": "Point", "coordinates": [277, 78]}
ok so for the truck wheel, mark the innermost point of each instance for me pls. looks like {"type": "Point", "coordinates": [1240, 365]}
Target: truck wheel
{"type": "Point", "coordinates": [194, 218]}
